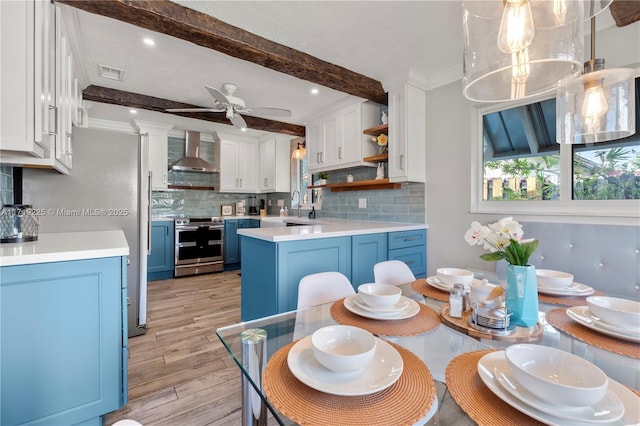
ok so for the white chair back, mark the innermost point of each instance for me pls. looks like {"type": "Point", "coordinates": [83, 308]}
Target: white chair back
{"type": "Point", "coordinates": [323, 287]}
{"type": "Point", "coordinates": [393, 272]}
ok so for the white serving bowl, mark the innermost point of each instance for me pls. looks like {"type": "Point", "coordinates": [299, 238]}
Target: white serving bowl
{"type": "Point", "coordinates": [451, 276]}
{"type": "Point", "coordinates": [379, 295]}
{"type": "Point", "coordinates": [622, 313]}
{"type": "Point", "coordinates": [556, 376]}
{"type": "Point", "coordinates": [343, 348]}
{"type": "Point", "coordinates": [553, 279]}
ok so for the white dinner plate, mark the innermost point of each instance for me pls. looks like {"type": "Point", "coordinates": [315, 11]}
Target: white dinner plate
{"type": "Point", "coordinates": [488, 363]}
{"type": "Point", "coordinates": [575, 289]}
{"type": "Point", "coordinates": [609, 409]}
{"type": "Point", "coordinates": [436, 283]}
{"type": "Point", "coordinates": [583, 316]}
{"type": "Point", "coordinates": [401, 305]}
{"type": "Point", "coordinates": [383, 371]}
{"type": "Point", "coordinates": [411, 310]}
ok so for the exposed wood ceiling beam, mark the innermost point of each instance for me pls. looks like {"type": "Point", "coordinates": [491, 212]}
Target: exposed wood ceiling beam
{"type": "Point", "coordinates": [170, 18]}
{"type": "Point", "coordinates": [625, 12]}
{"type": "Point", "coordinates": [134, 100]}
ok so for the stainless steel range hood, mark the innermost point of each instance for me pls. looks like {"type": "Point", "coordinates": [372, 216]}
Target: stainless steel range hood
{"type": "Point", "coordinates": [191, 162]}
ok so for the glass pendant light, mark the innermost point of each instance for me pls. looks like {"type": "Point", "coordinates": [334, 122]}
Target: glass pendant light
{"type": "Point", "coordinates": [516, 49]}
{"type": "Point", "coordinates": [299, 152]}
{"type": "Point", "coordinates": [597, 106]}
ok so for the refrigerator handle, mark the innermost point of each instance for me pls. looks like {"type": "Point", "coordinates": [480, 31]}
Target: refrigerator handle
{"type": "Point", "coordinates": [149, 213]}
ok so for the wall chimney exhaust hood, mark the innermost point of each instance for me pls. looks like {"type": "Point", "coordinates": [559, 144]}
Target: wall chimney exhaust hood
{"type": "Point", "coordinates": [191, 162]}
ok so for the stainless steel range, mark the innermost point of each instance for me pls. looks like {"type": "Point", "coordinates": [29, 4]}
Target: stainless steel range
{"type": "Point", "coordinates": [199, 245]}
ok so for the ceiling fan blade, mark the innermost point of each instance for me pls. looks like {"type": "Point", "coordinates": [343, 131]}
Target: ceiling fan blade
{"type": "Point", "coordinates": [217, 95]}
{"type": "Point", "coordinates": [238, 121]}
{"type": "Point", "coordinates": [269, 111]}
{"type": "Point", "coordinates": [194, 110]}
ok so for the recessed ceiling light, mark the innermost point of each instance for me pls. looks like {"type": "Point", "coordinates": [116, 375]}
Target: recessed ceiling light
{"type": "Point", "coordinates": [133, 111]}
{"type": "Point", "coordinates": [243, 129]}
{"type": "Point", "coordinates": [149, 41]}
{"type": "Point", "coordinates": [315, 91]}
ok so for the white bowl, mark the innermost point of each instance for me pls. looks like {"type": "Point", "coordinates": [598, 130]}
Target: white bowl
{"type": "Point", "coordinates": [343, 348]}
{"type": "Point", "coordinates": [379, 295]}
{"type": "Point", "coordinates": [623, 313]}
{"type": "Point", "coordinates": [451, 276]}
{"type": "Point", "coordinates": [553, 279]}
{"type": "Point", "coordinates": [555, 376]}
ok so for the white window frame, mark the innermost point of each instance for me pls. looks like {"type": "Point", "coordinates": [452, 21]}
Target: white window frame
{"type": "Point", "coordinates": [565, 206]}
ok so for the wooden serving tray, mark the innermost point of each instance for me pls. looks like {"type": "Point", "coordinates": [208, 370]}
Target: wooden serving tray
{"type": "Point", "coordinates": [520, 335]}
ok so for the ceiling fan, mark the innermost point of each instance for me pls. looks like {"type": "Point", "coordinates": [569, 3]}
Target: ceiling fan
{"type": "Point", "coordinates": [233, 106]}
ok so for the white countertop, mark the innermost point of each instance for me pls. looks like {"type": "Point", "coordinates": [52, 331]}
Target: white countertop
{"type": "Point", "coordinates": [325, 228]}
{"type": "Point", "coordinates": [56, 247]}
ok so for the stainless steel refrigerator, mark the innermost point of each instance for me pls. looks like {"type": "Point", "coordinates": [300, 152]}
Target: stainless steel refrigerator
{"type": "Point", "coordinates": [108, 176]}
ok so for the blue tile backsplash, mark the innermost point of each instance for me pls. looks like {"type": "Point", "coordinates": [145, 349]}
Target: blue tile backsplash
{"type": "Point", "coordinates": [392, 205]}
{"type": "Point", "coordinates": [6, 184]}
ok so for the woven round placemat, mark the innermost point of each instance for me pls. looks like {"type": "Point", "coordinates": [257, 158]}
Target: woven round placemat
{"type": "Point", "coordinates": [421, 286]}
{"type": "Point", "coordinates": [567, 300]}
{"type": "Point", "coordinates": [473, 396]}
{"type": "Point", "coordinates": [559, 319]}
{"type": "Point", "coordinates": [404, 403]}
{"type": "Point", "coordinates": [425, 320]}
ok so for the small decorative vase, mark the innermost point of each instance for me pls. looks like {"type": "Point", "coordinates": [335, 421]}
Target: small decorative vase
{"type": "Point", "coordinates": [384, 119]}
{"type": "Point", "coordinates": [382, 149]}
{"type": "Point", "coordinates": [380, 171]}
{"type": "Point", "coordinates": [522, 295]}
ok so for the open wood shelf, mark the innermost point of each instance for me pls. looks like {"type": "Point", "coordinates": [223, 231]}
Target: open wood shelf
{"type": "Point", "coordinates": [375, 131]}
{"type": "Point", "coordinates": [380, 158]}
{"type": "Point", "coordinates": [362, 185]}
{"type": "Point", "coordinates": [201, 188]}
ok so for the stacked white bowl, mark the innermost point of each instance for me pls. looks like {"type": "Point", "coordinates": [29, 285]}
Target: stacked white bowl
{"type": "Point", "coordinates": [451, 276]}
{"type": "Point", "coordinates": [623, 313]}
{"type": "Point", "coordinates": [555, 376]}
{"type": "Point", "coordinates": [548, 278]}
{"type": "Point", "coordinates": [379, 296]}
{"type": "Point", "coordinates": [343, 348]}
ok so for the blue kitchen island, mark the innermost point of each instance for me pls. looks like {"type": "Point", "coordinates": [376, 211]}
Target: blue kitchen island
{"type": "Point", "coordinates": [274, 259]}
{"type": "Point", "coordinates": [63, 328]}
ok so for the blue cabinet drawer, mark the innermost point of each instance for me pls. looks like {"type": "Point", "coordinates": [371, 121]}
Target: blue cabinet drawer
{"type": "Point", "coordinates": [407, 239]}
{"type": "Point", "coordinates": [414, 257]}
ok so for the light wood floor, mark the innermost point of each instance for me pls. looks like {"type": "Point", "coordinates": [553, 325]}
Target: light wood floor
{"type": "Point", "coordinates": [179, 372]}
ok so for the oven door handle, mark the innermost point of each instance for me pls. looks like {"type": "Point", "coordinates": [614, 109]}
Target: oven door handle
{"type": "Point", "coordinates": [196, 227]}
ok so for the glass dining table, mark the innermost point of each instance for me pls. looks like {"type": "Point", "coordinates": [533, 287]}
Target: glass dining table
{"type": "Point", "coordinates": [251, 344]}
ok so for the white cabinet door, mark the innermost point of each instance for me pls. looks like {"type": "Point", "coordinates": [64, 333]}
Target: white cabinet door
{"type": "Point", "coordinates": [332, 133]}
{"type": "Point", "coordinates": [228, 166]}
{"type": "Point", "coordinates": [247, 167]}
{"type": "Point", "coordinates": [351, 135]}
{"type": "Point", "coordinates": [158, 134]}
{"type": "Point", "coordinates": [315, 144]}
{"type": "Point", "coordinates": [407, 134]}
{"type": "Point", "coordinates": [20, 81]}
{"type": "Point", "coordinates": [267, 181]}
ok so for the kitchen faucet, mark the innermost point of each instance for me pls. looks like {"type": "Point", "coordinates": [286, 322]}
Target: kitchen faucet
{"type": "Point", "coordinates": [293, 196]}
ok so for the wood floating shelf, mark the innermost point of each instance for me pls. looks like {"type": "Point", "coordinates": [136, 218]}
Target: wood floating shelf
{"type": "Point", "coordinates": [362, 185]}
{"type": "Point", "coordinates": [201, 188]}
{"type": "Point", "coordinates": [375, 131]}
{"type": "Point", "coordinates": [377, 158]}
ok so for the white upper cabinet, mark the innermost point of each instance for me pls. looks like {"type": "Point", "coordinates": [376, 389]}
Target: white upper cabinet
{"type": "Point", "coordinates": [238, 164]}
{"type": "Point", "coordinates": [274, 163]}
{"type": "Point", "coordinates": [40, 97]}
{"type": "Point", "coordinates": [407, 133]}
{"type": "Point", "coordinates": [336, 141]}
{"type": "Point", "coordinates": [158, 136]}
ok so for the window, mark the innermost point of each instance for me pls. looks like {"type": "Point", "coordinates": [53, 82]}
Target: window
{"type": "Point", "coordinates": [519, 168]}
{"type": "Point", "coordinates": [301, 180]}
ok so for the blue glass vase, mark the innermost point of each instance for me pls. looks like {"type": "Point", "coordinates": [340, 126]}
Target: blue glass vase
{"type": "Point", "coordinates": [522, 295]}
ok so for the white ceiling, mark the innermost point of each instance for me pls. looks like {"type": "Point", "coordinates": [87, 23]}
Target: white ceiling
{"type": "Point", "coordinates": [380, 39]}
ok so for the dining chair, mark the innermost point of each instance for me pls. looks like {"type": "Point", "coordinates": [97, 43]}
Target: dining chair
{"type": "Point", "coordinates": [393, 272]}
{"type": "Point", "coordinates": [323, 287]}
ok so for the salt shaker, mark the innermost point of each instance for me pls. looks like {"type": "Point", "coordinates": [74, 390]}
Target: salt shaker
{"type": "Point", "coordinates": [456, 301]}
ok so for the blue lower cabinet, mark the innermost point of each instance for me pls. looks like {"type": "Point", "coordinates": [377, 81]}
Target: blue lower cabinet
{"type": "Point", "coordinates": [366, 251]}
{"type": "Point", "coordinates": [161, 260]}
{"type": "Point", "coordinates": [63, 341]}
{"type": "Point", "coordinates": [232, 244]}
{"type": "Point", "coordinates": [271, 276]}
{"type": "Point", "coordinates": [411, 248]}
